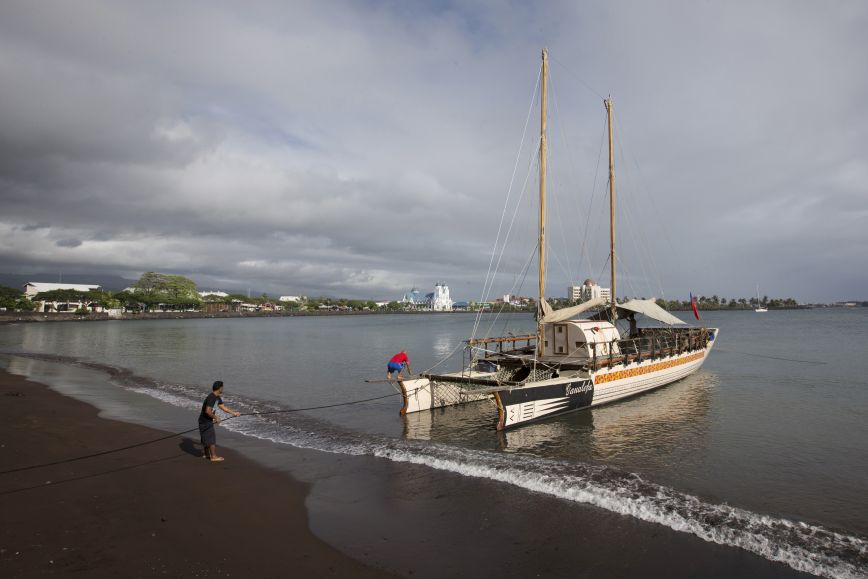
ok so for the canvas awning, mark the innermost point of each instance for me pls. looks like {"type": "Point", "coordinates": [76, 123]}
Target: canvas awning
{"type": "Point", "coordinates": [647, 308]}
{"type": "Point", "coordinates": [567, 313]}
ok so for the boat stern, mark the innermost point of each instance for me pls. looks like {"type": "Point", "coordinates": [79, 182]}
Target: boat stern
{"type": "Point", "coordinates": [416, 394]}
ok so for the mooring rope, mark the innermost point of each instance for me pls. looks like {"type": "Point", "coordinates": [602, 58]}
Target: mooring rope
{"type": "Point", "coordinates": [727, 351]}
{"type": "Point", "coordinates": [176, 434]}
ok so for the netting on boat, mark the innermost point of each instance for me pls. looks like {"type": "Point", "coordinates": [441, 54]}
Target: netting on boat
{"type": "Point", "coordinates": [448, 393]}
{"type": "Point", "coordinates": [445, 393]}
{"type": "Point", "coordinates": [539, 373]}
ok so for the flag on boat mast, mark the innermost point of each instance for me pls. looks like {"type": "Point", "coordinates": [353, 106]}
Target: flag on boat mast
{"type": "Point", "coordinates": [693, 305]}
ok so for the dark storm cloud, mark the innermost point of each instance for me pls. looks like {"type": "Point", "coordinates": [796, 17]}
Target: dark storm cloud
{"type": "Point", "coordinates": [360, 149]}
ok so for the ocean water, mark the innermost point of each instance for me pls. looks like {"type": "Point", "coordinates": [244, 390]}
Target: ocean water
{"type": "Point", "coordinates": [765, 448]}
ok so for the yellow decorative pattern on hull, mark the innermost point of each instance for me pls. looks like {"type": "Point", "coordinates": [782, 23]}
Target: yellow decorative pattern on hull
{"type": "Point", "coordinates": [633, 372]}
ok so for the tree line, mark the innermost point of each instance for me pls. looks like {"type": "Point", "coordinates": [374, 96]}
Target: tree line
{"type": "Point", "coordinates": [164, 291]}
{"type": "Point", "coordinates": [161, 291]}
{"type": "Point", "coordinates": [717, 303]}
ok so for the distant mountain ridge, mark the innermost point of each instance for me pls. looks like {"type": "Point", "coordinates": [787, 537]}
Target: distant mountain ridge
{"type": "Point", "coordinates": [106, 282]}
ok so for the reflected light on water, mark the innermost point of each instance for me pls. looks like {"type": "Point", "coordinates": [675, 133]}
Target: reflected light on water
{"type": "Point", "coordinates": [656, 429]}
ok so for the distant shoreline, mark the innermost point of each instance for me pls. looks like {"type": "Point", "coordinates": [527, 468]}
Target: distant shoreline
{"type": "Point", "coordinates": [37, 317]}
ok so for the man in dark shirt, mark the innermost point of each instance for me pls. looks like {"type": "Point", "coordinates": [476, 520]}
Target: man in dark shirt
{"type": "Point", "coordinates": [208, 419]}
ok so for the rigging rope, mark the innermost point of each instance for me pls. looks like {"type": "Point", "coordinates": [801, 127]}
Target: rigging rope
{"type": "Point", "coordinates": [489, 278]}
{"type": "Point", "coordinates": [585, 251]}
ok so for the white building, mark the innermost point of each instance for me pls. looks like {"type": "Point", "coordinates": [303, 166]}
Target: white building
{"type": "Point", "coordinates": [289, 298]}
{"type": "Point", "coordinates": [34, 287]}
{"type": "Point", "coordinates": [31, 289]}
{"type": "Point", "coordinates": [216, 294]}
{"type": "Point", "coordinates": [587, 291]}
{"type": "Point", "coordinates": [440, 300]}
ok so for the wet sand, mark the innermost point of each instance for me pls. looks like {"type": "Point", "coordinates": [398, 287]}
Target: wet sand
{"type": "Point", "coordinates": [159, 509]}
{"type": "Point", "coordinates": [163, 510]}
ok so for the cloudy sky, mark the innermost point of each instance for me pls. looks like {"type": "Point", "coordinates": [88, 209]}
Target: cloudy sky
{"type": "Point", "coordinates": [359, 148]}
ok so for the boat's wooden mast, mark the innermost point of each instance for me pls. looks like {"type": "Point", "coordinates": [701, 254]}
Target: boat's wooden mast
{"type": "Point", "coordinates": [542, 196]}
{"type": "Point", "coordinates": [612, 262]}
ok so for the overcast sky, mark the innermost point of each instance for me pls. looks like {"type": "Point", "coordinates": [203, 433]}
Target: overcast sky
{"type": "Point", "coordinates": [360, 148]}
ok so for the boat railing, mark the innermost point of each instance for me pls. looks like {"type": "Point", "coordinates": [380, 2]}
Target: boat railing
{"type": "Point", "coordinates": [513, 341]}
{"type": "Point", "coordinates": [649, 344]}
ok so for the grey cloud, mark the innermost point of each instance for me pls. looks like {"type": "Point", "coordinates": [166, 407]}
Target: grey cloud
{"type": "Point", "coordinates": [354, 149]}
{"type": "Point", "coordinates": [35, 226]}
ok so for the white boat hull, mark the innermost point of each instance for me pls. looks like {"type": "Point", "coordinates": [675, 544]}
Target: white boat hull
{"type": "Point", "coordinates": [545, 398]}
{"type": "Point", "coordinates": [423, 394]}
{"type": "Point", "coordinates": [521, 405]}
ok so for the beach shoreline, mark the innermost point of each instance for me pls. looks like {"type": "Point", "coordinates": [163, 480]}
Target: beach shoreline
{"type": "Point", "coordinates": [161, 509]}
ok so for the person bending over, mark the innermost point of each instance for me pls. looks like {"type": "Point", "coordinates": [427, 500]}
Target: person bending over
{"type": "Point", "coordinates": [396, 365]}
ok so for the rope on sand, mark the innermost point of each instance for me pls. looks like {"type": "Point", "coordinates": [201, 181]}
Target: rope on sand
{"type": "Point", "coordinates": [176, 434]}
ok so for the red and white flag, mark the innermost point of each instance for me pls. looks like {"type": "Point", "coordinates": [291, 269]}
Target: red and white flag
{"type": "Point", "coordinates": [693, 305]}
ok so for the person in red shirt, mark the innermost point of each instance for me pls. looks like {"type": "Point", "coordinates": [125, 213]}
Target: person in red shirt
{"type": "Point", "coordinates": [396, 365]}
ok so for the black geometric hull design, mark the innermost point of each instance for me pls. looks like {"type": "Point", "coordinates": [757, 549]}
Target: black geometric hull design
{"type": "Point", "coordinates": [523, 405]}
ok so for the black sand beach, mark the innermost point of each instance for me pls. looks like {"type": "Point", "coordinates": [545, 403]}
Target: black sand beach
{"type": "Point", "coordinates": [163, 510]}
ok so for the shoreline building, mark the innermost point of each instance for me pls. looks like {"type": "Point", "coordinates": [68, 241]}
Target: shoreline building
{"type": "Point", "coordinates": [213, 293]}
{"type": "Point", "coordinates": [412, 299]}
{"type": "Point", "coordinates": [33, 288]}
{"type": "Point", "coordinates": [587, 291]}
{"type": "Point", "coordinates": [440, 300]}
{"type": "Point", "coordinates": [437, 301]}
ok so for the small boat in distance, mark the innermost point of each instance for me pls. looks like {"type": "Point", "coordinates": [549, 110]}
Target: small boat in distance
{"type": "Point", "coordinates": [760, 308]}
{"type": "Point", "coordinates": [569, 363]}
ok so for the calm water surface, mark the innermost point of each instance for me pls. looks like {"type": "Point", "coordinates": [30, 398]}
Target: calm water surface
{"type": "Point", "coordinates": [772, 430]}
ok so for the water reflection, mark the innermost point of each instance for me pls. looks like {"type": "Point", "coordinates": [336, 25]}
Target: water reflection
{"type": "Point", "coordinates": [454, 424]}
{"type": "Point", "coordinates": [657, 428]}
{"type": "Point", "coordinates": [444, 345]}
{"type": "Point", "coordinates": [20, 366]}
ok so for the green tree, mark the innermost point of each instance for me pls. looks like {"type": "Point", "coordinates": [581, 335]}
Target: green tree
{"type": "Point", "coordinates": [14, 299]}
{"type": "Point", "coordinates": [129, 301]}
{"type": "Point", "coordinates": [61, 295]}
{"type": "Point", "coordinates": [104, 298]}
{"type": "Point", "coordinates": [174, 290]}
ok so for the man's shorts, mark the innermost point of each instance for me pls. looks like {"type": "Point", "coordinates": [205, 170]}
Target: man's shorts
{"type": "Point", "coordinates": [395, 367]}
{"type": "Point", "coordinates": [207, 432]}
